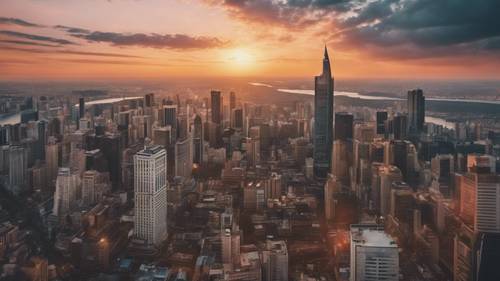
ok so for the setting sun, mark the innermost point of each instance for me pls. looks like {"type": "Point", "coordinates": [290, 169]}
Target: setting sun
{"type": "Point", "coordinates": [242, 57]}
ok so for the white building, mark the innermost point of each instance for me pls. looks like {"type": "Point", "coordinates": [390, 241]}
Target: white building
{"type": "Point", "coordinates": [150, 194]}
{"type": "Point", "coordinates": [374, 255]}
{"type": "Point", "coordinates": [67, 187]}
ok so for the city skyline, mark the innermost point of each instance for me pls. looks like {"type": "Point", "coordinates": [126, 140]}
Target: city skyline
{"type": "Point", "coordinates": [54, 40]}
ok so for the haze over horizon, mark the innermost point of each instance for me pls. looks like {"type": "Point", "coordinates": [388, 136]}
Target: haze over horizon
{"type": "Point", "coordinates": [391, 39]}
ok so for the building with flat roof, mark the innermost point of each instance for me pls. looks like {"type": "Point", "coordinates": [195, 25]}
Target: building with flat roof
{"type": "Point", "coordinates": [374, 254]}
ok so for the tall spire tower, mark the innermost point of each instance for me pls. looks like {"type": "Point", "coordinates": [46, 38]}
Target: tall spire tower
{"type": "Point", "coordinates": [323, 120]}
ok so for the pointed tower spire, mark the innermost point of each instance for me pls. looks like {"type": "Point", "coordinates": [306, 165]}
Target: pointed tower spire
{"type": "Point", "coordinates": [326, 64]}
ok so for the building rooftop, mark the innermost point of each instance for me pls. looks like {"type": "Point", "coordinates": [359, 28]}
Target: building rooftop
{"type": "Point", "coordinates": [371, 237]}
{"type": "Point", "coordinates": [150, 150]}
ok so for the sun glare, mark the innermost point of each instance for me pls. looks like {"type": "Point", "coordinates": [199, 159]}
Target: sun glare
{"type": "Point", "coordinates": [241, 57]}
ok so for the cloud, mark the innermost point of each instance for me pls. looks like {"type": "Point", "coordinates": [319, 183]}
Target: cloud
{"type": "Point", "coordinates": [423, 28]}
{"type": "Point", "coordinates": [405, 28]}
{"type": "Point", "coordinates": [68, 52]}
{"type": "Point", "coordinates": [35, 37]}
{"type": "Point", "coordinates": [166, 41]}
{"type": "Point", "coordinates": [292, 14]}
{"type": "Point", "coordinates": [15, 21]}
{"type": "Point", "coordinates": [75, 30]}
{"type": "Point", "coordinates": [29, 43]}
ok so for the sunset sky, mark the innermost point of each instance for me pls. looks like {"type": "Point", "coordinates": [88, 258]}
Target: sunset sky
{"type": "Point", "coordinates": [153, 39]}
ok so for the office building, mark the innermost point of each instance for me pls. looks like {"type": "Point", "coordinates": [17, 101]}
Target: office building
{"type": "Point", "coordinates": [374, 255]}
{"type": "Point", "coordinates": [273, 186]}
{"type": "Point", "coordinates": [343, 126]}
{"type": "Point", "coordinates": [275, 260]}
{"type": "Point", "coordinates": [67, 190]}
{"type": "Point", "coordinates": [323, 120]}
{"type": "Point", "coordinates": [416, 110]}
{"type": "Point", "coordinates": [332, 186]}
{"type": "Point", "coordinates": [150, 194]}
{"type": "Point", "coordinates": [198, 140]}
{"type": "Point", "coordinates": [183, 158]}
{"type": "Point", "coordinates": [18, 167]}
{"type": "Point", "coordinates": [381, 122]}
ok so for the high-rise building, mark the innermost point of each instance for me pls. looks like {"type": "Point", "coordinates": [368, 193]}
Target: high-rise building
{"type": "Point", "coordinates": [343, 126]}
{"type": "Point", "coordinates": [90, 186]}
{"type": "Point", "coordinates": [52, 160]}
{"type": "Point", "coordinates": [232, 104]}
{"type": "Point", "coordinates": [443, 168]}
{"type": "Point", "coordinates": [374, 255]}
{"type": "Point", "coordinates": [226, 246]}
{"type": "Point", "coordinates": [331, 187]}
{"type": "Point", "coordinates": [342, 160]}
{"type": "Point", "coordinates": [381, 120]}
{"type": "Point", "coordinates": [400, 127]}
{"type": "Point", "coordinates": [198, 140]}
{"type": "Point", "coordinates": [388, 175]}
{"type": "Point", "coordinates": [480, 201]}
{"type": "Point", "coordinates": [275, 259]}
{"type": "Point", "coordinates": [183, 158]}
{"type": "Point", "coordinates": [170, 119]}
{"type": "Point", "coordinates": [149, 100]}
{"type": "Point", "coordinates": [150, 193]}
{"type": "Point", "coordinates": [273, 186]}
{"type": "Point", "coordinates": [67, 187]}
{"type": "Point", "coordinates": [323, 120]}
{"type": "Point", "coordinates": [216, 106]}
{"type": "Point", "coordinates": [81, 107]}
{"type": "Point", "coordinates": [237, 119]}
{"type": "Point", "coordinates": [18, 167]}
{"type": "Point", "coordinates": [416, 110]}
{"type": "Point", "coordinates": [230, 244]}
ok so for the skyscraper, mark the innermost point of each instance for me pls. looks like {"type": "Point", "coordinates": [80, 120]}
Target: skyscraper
{"type": "Point", "coordinates": [18, 166]}
{"type": "Point", "coordinates": [170, 119]}
{"type": "Point", "coordinates": [216, 125]}
{"type": "Point", "coordinates": [81, 107]}
{"type": "Point", "coordinates": [416, 110]}
{"type": "Point", "coordinates": [198, 140]}
{"type": "Point", "coordinates": [323, 120]}
{"type": "Point", "coordinates": [183, 158]}
{"type": "Point", "coordinates": [216, 106]}
{"type": "Point", "coordinates": [480, 201]}
{"type": "Point", "coordinates": [331, 187]}
{"type": "Point", "coordinates": [400, 127]}
{"type": "Point", "coordinates": [232, 105]}
{"type": "Point", "coordinates": [381, 118]}
{"type": "Point", "coordinates": [67, 185]}
{"type": "Point", "coordinates": [276, 260]}
{"type": "Point", "coordinates": [343, 126]}
{"type": "Point", "coordinates": [150, 193]}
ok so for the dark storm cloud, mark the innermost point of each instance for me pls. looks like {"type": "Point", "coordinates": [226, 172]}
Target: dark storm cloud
{"type": "Point", "coordinates": [165, 41]}
{"type": "Point", "coordinates": [425, 28]}
{"type": "Point", "coordinates": [35, 37]}
{"type": "Point", "coordinates": [16, 21]}
{"type": "Point", "coordinates": [426, 22]}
